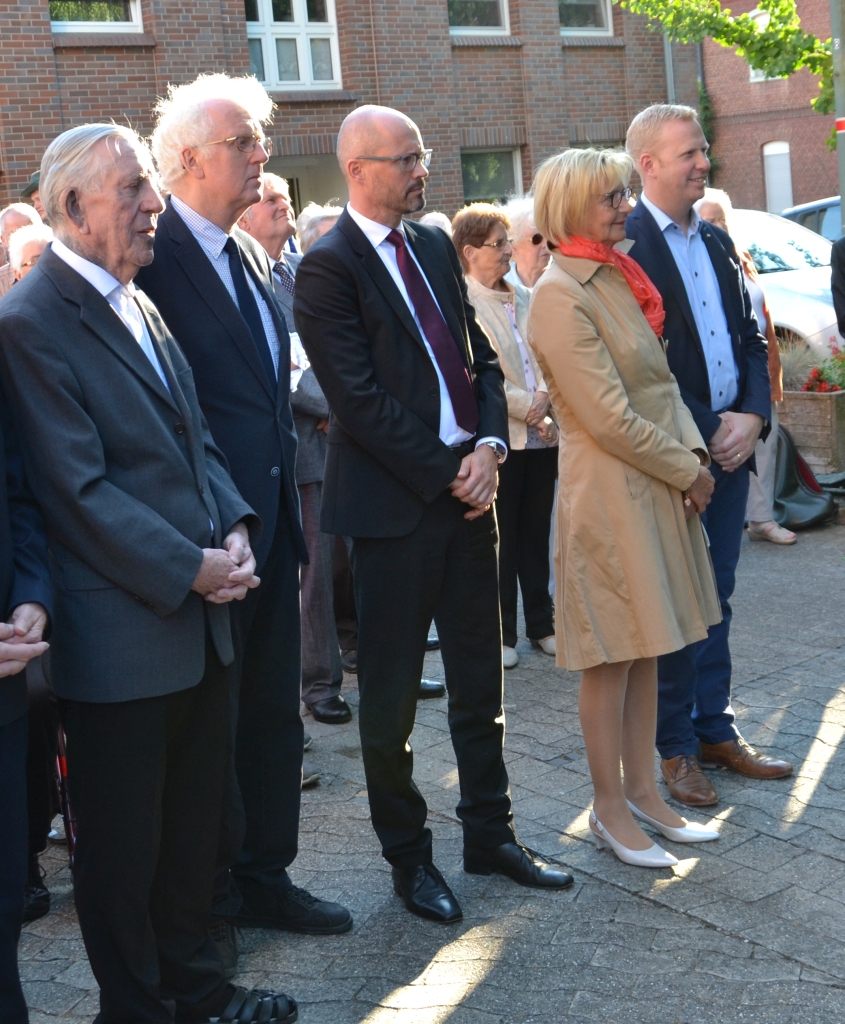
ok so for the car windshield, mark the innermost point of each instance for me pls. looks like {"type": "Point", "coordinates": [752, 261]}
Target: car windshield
{"type": "Point", "coordinates": [776, 243]}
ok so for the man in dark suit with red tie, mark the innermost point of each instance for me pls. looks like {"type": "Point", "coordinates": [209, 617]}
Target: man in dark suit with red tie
{"type": "Point", "coordinates": [419, 425]}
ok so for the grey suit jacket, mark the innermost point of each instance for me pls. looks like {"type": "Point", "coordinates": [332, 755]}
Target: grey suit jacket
{"type": "Point", "coordinates": [131, 484]}
{"type": "Point", "coordinates": [307, 401]}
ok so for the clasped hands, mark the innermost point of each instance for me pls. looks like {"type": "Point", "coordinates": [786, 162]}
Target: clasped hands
{"type": "Point", "coordinates": [227, 573]}
{"type": "Point", "coordinates": [20, 639]}
{"type": "Point", "coordinates": [477, 481]}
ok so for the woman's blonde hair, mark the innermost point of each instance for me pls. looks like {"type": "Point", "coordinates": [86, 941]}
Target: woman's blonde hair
{"type": "Point", "coordinates": [567, 185]}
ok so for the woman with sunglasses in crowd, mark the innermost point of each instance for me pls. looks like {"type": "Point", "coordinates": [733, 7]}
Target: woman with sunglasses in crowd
{"type": "Point", "coordinates": [634, 577]}
{"type": "Point", "coordinates": [530, 253]}
{"type": "Point", "coordinates": [481, 233]}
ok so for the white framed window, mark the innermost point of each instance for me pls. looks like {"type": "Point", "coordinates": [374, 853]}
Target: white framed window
{"type": "Point", "coordinates": [479, 17]}
{"type": "Point", "coordinates": [777, 170]}
{"type": "Point", "coordinates": [585, 17]}
{"type": "Point", "coordinates": [95, 16]}
{"type": "Point", "coordinates": [491, 175]}
{"type": "Point", "coordinates": [761, 19]}
{"type": "Point", "coordinates": [293, 43]}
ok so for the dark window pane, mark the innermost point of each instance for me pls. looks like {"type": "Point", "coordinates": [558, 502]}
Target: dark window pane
{"type": "Point", "coordinates": [282, 10]}
{"type": "Point", "coordinates": [90, 10]}
{"type": "Point", "coordinates": [475, 13]}
{"type": "Point", "coordinates": [582, 14]}
{"type": "Point", "coordinates": [488, 177]}
{"type": "Point", "coordinates": [288, 60]}
{"type": "Point", "coordinates": [321, 60]}
{"type": "Point", "coordinates": [808, 220]}
{"type": "Point", "coordinates": [256, 59]}
{"type": "Point", "coordinates": [317, 10]}
{"type": "Point", "coordinates": [251, 10]}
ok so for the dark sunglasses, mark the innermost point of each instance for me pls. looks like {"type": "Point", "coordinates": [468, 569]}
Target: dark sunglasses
{"type": "Point", "coordinates": [537, 239]}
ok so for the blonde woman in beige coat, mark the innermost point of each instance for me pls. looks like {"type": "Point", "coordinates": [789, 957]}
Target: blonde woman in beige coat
{"type": "Point", "coordinates": [633, 573]}
{"type": "Point", "coordinates": [525, 497]}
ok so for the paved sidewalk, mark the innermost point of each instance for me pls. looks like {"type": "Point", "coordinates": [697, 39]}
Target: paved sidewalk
{"type": "Point", "coordinates": [750, 929]}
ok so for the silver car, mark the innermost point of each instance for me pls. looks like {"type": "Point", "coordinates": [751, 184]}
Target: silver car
{"type": "Point", "coordinates": [794, 264]}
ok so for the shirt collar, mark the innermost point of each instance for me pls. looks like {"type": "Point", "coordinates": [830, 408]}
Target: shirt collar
{"type": "Point", "coordinates": [374, 231]}
{"type": "Point", "coordinates": [202, 228]}
{"type": "Point", "coordinates": [664, 220]}
{"type": "Point", "coordinates": [97, 277]}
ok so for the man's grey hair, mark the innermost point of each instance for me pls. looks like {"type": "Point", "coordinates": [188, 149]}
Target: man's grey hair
{"type": "Point", "coordinates": [646, 126]}
{"type": "Point", "coordinates": [184, 118]}
{"type": "Point", "coordinates": [75, 161]}
{"type": "Point", "coordinates": [436, 219]}
{"type": "Point", "coordinates": [23, 210]}
{"type": "Point", "coordinates": [520, 211]}
{"type": "Point", "coordinates": [310, 219]}
{"type": "Point", "coordinates": [276, 182]}
{"type": "Point", "coordinates": [23, 236]}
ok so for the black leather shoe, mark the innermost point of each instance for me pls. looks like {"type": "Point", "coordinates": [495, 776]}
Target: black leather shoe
{"type": "Point", "coordinates": [334, 711]}
{"type": "Point", "coordinates": [431, 688]}
{"type": "Point", "coordinates": [290, 910]}
{"type": "Point", "coordinates": [36, 894]}
{"type": "Point", "coordinates": [519, 863]}
{"type": "Point", "coordinates": [249, 1006]}
{"type": "Point", "coordinates": [222, 931]}
{"type": "Point", "coordinates": [349, 661]}
{"type": "Point", "coordinates": [426, 894]}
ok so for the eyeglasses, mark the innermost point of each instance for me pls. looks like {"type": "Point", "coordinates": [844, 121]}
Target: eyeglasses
{"type": "Point", "coordinates": [615, 198]}
{"type": "Point", "coordinates": [30, 263]}
{"type": "Point", "coordinates": [406, 163]}
{"type": "Point", "coordinates": [246, 143]}
{"type": "Point", "coordinates": [498, 245]}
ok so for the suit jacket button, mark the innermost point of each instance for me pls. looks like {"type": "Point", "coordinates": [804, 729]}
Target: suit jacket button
{"type": "Point", "coordinates": [275, 471]}
{"type": "Point", "coordinates": [180, 428]}
{"type": "Point", "coordinates": [433, 392]}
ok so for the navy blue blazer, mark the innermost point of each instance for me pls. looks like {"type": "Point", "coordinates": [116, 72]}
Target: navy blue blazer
{"type": "Point", "coordinates": [685, 351]}
{"type": "Point", "coordinates": [24, 571]}
{"type": "Point", "coordinates": [253, 427]}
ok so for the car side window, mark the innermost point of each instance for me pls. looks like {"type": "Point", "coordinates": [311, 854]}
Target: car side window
{"type": "Point", "coordinates": [831, 222]}
{"type": "Point", "coordinates": [809, 219]}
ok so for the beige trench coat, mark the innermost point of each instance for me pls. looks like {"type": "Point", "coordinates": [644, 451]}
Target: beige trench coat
{"type": "Point", "coordinates": [633, 577]}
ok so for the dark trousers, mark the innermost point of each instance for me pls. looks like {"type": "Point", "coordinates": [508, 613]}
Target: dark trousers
{"type": "Point", "coordinates": [146, 778]}
{"type": "Point", "coordinates": [13, 836]}
{"type": "Point", "coordinates": [524, 504]}
{"type": "Point", "coordinates": [42, 794]}
{"type": "Point", "coordinates": [322, 672]}
{"type": "Point", "coordinates": [446, 570]}
{"type": "Point", "coordinates": [345, 611]}
{"type": "Point", "coordinates": [261, 813]}
{"type": "Point", "coordinates": [694, 684]}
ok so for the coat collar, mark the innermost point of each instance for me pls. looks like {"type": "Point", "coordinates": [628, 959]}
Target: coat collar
{"type": "Point", "coordinates": [99, 317]}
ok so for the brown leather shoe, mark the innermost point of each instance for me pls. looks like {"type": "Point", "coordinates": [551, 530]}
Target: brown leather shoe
{"type": "Point", "coordinates": [741, 757]}
{"type": "Point", "coordinates": [687, 782]}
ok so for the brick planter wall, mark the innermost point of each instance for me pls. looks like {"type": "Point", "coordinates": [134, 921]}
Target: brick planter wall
{"type": "Point", "coordinates": [817, 425]}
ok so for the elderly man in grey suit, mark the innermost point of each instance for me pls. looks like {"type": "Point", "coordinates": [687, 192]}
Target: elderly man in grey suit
{"type": "Point", "coordinates": [271, 223]}
{"type": "Point", "coordinates": [149, 541]}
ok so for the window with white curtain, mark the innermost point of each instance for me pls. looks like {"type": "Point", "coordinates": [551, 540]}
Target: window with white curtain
{"type": "Point", "coordinates": [777, 170]}
{"type": "Point", "coordinates": [293, 43]}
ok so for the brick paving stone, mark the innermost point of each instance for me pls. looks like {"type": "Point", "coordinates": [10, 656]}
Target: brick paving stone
{"type": "Point", "coordinates": [750, 929]}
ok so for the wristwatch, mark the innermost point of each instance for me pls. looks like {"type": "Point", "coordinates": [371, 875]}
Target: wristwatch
{"type": "Point", "coordinates": [499, 449]}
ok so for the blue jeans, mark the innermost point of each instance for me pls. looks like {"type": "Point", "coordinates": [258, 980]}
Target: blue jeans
{"type": "Point", "coordinates": [694, 684]}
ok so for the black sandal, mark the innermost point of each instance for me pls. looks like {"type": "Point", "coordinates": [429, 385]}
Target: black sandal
{"type": "Point", "coordinates": [258, 1006]}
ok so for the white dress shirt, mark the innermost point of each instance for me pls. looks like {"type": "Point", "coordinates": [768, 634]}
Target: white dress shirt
{"type": "Point", "coordinates": [212, 239]}
{"type": "Point", "coordinates": [450, 433]}
{"type": "Point", "coordinates": [120, 297]}
{"type": "Point", "coordinates": [705, 298]}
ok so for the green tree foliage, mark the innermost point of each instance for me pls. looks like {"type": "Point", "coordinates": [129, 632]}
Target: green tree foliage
{"type": "Point", "coordinates": [775, 44]}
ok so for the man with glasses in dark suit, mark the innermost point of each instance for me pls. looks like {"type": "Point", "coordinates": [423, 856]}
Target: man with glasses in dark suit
{"type": "Point", "coordinates": [213, 286]}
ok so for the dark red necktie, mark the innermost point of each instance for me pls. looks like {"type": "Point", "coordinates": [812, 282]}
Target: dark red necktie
{"type": "Point", "coordinates": [438, 335]}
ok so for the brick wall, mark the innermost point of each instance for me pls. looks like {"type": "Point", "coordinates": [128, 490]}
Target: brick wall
{"type": "Point", "coordinates": [529, 91]}
{"type": "Point", "coordinates": [750, 114]}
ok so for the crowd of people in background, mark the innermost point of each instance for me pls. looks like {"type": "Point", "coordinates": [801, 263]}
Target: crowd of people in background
{"type": "Point", "coordinates": [247, 451]}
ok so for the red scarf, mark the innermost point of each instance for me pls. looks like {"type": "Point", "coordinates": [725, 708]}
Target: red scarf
{"type": "Point", "coordinates": [638, 281]}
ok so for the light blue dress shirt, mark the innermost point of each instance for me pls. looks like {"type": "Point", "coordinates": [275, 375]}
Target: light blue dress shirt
{"type": "Point", "coordinates": [212, 239]}
{"type": "Point", "coordinates": [705, 298]}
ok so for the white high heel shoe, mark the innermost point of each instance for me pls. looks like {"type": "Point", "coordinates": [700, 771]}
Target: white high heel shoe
{"type": "Point", "coordinates": [654, 857]}
{"type": "Point", "coordinates": [692, 832]}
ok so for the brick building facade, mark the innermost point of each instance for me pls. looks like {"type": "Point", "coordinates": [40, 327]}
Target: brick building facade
{"type": "Point", "coordinates": [495, 85]}
{"type": "Point", "coordinates": [770, 146]}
